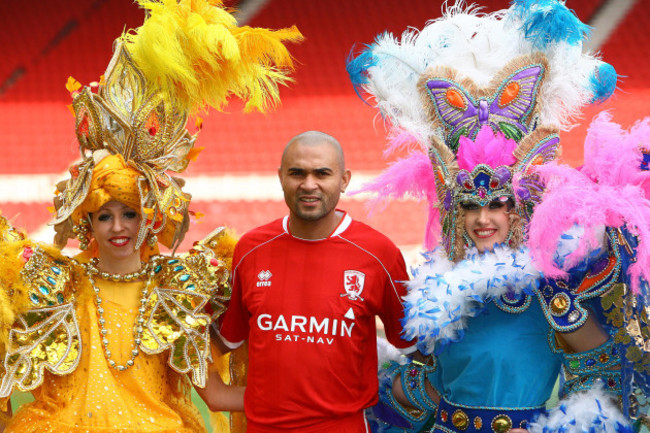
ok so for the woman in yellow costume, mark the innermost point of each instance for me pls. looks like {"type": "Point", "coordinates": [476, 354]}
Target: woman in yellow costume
{"type": "Point", "coordinates": [111, 340]}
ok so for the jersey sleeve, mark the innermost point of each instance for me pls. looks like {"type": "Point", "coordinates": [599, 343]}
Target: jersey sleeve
{"type": "Point", "coordinates": [393, 311]}
{"type": "Point", "coordinates": [233, 328]}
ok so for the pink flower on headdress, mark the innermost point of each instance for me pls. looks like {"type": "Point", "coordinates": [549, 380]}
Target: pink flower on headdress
{"type": "Point", "coordinates": [487, 148]}
{"type": "Point", "coordinates": [27, 253]}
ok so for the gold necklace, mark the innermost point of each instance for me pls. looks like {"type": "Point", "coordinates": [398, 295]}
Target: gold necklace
{"type": "Point", "coordinates": [133, 276]}
{"type": "Point", "coordinates": [139, 321]}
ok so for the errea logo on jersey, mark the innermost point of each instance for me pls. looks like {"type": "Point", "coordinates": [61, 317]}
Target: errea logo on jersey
{"type": "Point", "coordinates": [264, 277]}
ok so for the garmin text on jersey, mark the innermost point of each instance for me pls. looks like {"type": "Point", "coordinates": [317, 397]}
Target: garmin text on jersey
{"type": "Point", "coordinates": [307, 329]}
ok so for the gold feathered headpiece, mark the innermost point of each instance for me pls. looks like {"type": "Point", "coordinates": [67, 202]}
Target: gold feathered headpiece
{"type": "Point", "coordinates": [187, 56]}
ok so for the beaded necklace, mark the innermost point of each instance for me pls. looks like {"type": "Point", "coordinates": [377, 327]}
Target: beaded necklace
{"type": "Point", "coordinates": [91, 269]}
{"type": "Point", "coordinates": [133, 276]}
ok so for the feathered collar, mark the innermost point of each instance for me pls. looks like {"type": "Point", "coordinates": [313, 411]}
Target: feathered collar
{"type": "Point", "coordinates": [442, 294]}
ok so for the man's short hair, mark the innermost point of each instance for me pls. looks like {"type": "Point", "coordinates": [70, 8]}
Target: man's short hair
{"type": "Point", "coordinates": [316, 137]}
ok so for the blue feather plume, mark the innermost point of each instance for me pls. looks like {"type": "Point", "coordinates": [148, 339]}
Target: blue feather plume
{"type": "Point", "coordinates": [548, 21]}
{"type": "Point", "coordinates": [603, 82]}
{"type": "Point", "coordinates": [357, 68]}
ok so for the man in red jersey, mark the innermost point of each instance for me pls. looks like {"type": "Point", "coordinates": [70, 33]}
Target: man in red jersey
{"type": "Point", "coordinates": [306, 290]}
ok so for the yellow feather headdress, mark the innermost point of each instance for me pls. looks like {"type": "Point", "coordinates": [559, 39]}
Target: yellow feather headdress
{"type": "Point", "coordinates": [187, 56]}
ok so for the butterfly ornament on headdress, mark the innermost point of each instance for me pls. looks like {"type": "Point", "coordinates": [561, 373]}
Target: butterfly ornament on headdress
{"type": "Point", "coordinates": [507, 109]}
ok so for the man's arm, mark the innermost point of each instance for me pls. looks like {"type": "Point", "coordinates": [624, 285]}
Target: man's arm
{"type": "Point", "coordinates": [221, 397]}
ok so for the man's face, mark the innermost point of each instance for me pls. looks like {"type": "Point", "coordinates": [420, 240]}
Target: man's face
{"type": "Point", "coordinates": [312, 178]}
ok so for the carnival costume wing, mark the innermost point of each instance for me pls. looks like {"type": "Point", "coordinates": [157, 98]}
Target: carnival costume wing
{"type": "Point", "coordinates": [39, 328]}
{"type": "Point", "coordinates": [183, 286]}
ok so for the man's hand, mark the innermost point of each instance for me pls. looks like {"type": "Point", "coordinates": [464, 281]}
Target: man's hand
{"type": "Point", "coordinates": [221, 397]}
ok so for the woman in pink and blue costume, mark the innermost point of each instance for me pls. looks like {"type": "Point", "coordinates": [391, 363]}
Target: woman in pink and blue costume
{"type": "Point", "coordinates": [479, 101]}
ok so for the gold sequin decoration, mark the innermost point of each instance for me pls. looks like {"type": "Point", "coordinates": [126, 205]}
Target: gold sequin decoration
{"type": "Point", "coordinates": [560, 304]}
{"type": "Point", "coordinates": [501, 423]}
{"type": "Point", "coordinates": [632, 331]}
{"type": "Point", "coordinates": [460, 420]}
{"type": "Point", "coordinates": [45, 337]}
{"type": "Point", "coordinates": [175, 320]}
{"type": "Point", "coordinates": [46, 278]}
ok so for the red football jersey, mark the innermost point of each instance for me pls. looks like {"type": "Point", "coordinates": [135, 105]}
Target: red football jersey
{"type": "Point", "coordinates": [307, 309]}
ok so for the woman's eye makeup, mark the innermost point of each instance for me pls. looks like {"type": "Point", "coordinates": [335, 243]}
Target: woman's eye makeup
{"type": "Point", "coordinates": [496, 204]}
{"type": "Point", "coordinates": [103, 217]}
{"type": "Point", "coordinates": [130, 214]}
{"type": "Point", "coordinates": [469, 206]}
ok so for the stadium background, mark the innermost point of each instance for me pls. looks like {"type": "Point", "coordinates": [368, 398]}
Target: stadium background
{"type": "Point", "coordinates": [234, 180]}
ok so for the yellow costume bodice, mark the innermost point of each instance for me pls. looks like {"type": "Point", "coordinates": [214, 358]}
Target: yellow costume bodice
{"type": "Point", "coordinates": [148, 397]}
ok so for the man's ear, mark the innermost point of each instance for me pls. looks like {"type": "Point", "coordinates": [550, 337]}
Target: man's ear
{"type": "Point", "coordinates": [345, 180]}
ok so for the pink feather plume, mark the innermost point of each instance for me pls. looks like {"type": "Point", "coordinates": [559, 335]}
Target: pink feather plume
{"type": "Point", "coordinates": [609, 190]}
{"type": "Point", "coordinates": [402, 140]}
{"type": "Point", "coordinates": [412, 176]}
{"type": "Point", "coordinates": [487, 148]}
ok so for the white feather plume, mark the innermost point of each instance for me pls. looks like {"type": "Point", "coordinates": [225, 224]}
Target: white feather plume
{"type": "Point", "coordinates": [592, 411]}
{"type": "Point", "coordinates": [478, 45]}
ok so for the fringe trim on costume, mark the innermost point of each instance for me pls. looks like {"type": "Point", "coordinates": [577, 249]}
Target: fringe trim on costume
{"type": "Point", "coordinates": [443, 295]}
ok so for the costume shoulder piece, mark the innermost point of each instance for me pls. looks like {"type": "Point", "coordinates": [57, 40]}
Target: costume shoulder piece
{"type": "Point", "coordinates": [562, 300]}
{"type": "Point", "coordinates": [182, 286]}
{"type": "Point", "coordinates": [39, 328]}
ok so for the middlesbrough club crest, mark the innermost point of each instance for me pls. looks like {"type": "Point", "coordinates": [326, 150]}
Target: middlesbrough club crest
{"type": "Point", "coordinates": [353, 284]}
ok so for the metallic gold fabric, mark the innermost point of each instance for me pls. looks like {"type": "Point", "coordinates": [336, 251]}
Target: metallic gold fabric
{"type": "Point", "coordinates": [150, 397]}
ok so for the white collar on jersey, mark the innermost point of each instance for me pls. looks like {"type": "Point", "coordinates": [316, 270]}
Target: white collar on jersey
{"type": "Point", "coordinates": [343, 225]}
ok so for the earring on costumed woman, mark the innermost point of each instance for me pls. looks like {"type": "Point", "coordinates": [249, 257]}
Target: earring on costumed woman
{"type": "Point", "coordinates": [70, 334]}
{"type": "Point", "coordinates": [478, 101]}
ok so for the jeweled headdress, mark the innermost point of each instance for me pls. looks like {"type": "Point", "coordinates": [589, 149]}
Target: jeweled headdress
{"type": "Point", "coordinates": [188, 55]}
{"type": "Point", "coordinates": [484, 96]}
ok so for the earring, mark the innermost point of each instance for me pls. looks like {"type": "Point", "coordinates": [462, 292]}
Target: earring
{"type": "Point", "coordinates": [152, 240]}
{"type": "Point", "coordinates": [81, 230]}
{"type": "Point", "coordinates": [468, 241]}
{"type": "Point", "coordinates": [510, 232]}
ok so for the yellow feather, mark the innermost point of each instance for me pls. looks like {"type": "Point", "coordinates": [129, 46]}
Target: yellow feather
{"type": "Point", "coordinates": [193, 51]}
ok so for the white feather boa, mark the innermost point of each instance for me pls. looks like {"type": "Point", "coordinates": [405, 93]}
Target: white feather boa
{"type": "Point", "coordinates": [592, 411]}
{"type": "Point", "coordinates": [442, 295]}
